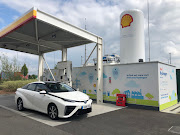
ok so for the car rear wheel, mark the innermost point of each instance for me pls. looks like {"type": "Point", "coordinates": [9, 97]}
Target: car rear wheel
{"type": "Point", "coordinates": [20, 106]}
{"type": "Point", "coordinates": [53, 112]}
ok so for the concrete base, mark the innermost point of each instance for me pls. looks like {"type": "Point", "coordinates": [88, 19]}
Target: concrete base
{"type": "Point", "coordinates": [175, 109]}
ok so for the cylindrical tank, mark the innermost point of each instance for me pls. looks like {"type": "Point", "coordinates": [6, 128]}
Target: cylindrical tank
{"type": "Point", "coordinates": [132, 46]}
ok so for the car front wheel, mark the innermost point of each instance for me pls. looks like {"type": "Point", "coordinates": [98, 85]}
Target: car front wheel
{"type": "Point", "coordinates": [20, 104]}
{"type": "Point", "coordinates": [52, 112]}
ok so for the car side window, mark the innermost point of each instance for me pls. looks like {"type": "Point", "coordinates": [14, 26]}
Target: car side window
{"type": "Point", "coordinates": [31, 87]}
{"type": "Point", "coordinates": [41, 87]}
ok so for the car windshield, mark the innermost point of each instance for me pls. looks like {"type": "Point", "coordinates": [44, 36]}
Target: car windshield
{"type": "Point", "coordinates": [59, 87]}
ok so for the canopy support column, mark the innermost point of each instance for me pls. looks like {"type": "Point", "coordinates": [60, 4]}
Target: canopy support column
{"type": "Point", "coordinates": [64, 54]}
{"type": "Point", "coordinates": [41, 67]}
{"type": "Point", "coordinates": [99, 72]}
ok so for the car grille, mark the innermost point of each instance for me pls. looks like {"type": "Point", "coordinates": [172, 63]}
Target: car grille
{"type": "Point", "coordinates": [69, 109]}
{"type": "Point", "coordinates": [83, 111]}
{"type": "Point", "coordinates": [83, 101]}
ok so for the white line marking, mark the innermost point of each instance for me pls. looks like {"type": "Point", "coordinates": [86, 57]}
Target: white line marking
{"type": "Point", "coordinates": [173, 131]}
{"type": "Point", "coordinates": [96, 110]}
{"type": "Point", "coordinates": [36, 117]}
{"type": "Point", "coordinates": [170, 128]}
{"type": "Point", "coordinates": [17, 112]}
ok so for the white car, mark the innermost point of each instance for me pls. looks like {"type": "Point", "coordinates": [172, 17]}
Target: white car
{"type": "Point", "coordinates": [53, 98]}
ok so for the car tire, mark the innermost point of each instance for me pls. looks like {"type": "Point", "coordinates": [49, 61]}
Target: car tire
{"type": "Point", "coordinates": [53, 112]}
{"type": "Point", "coordinates": [20, 106]}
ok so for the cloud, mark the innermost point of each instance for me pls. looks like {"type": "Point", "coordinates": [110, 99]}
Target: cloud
{"type": "Point", "coordinates": [82, 74]}
{"type": "Point", "coordinates": [22, 6]}
{"type": "Point", "coordinates": [171, 47]}
{"type": "Point", "coordinates": [21, 56]}
{"type": "Point", "coordinates": [102, 18]}
{"type": "Point", "coordinates": [30, 60]}
{"type": "Point", "coordinates": [132, 84]}
{"type": "Point", "coordinates": [15, 17]}
{"type": "Point", "coordinates": [1, 20]}
{"type": "Point", "coordinates": [32, 70]}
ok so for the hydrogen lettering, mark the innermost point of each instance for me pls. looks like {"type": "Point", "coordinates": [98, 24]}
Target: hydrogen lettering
{"type": "Point", "coordinates": [163, 73]}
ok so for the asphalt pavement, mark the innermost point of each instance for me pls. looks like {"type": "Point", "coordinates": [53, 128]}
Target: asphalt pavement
{"type": "Point", "coordinates": [126, 121]}
{"type": "Point", "coordinates": [15, 124]}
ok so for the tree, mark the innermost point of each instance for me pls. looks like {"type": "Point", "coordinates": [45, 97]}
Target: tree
{"type": "Point", "coordinates": [24, 70]}
{"type": "Point", "coordinates": [90, 91]}
{"type": "Point", "coordinates": [34, 76]}
{"type": "Point", "coordinates": [55, 67]}
{"type": "Point", "coordinates": [15, 65]}
{"type": "Point", "coordinates": [29, 76]}
{"type": "Point", "coordinates": [116, 91]}
{"type": "Point", "coordinates": [170, 98]}
{"type": "Point", "coordinates": [6, 67]}
{"type": "Point", "coordinates": [148, 95]}
{"type": "Point", "coordinates": [9, 68]}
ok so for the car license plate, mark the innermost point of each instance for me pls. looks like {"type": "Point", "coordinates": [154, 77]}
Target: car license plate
{"type": "Point", "coordinates": [86, 106]}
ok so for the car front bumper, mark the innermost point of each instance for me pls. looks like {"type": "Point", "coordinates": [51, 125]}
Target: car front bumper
{"type": "Point", "coordinates": [77, 108]}
{"type": "Point", "coordinates": [83, 111]}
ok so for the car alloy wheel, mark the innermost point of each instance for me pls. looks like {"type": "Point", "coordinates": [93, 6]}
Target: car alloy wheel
{"type": "Point", "coordinates": [20, 105]}
{"type": "Point", "coordinates": [53, 112]}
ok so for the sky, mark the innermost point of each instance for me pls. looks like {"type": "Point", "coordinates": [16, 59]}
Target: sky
{"type": "Point", "coordinates": [102, 19]}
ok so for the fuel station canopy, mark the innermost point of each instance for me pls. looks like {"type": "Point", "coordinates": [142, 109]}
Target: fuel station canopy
{"type": "Point", "coordinates": [37, 32]}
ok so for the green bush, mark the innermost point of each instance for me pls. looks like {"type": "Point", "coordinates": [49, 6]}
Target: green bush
{"type": "Point", "coordinates": [13, 85]}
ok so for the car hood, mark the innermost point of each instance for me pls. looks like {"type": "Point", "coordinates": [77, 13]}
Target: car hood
{"type": "Point", "coordinates": [74, 95]}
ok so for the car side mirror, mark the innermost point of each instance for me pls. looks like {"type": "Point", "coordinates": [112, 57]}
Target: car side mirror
{"type": "Point", "coordinates": [42, 92]}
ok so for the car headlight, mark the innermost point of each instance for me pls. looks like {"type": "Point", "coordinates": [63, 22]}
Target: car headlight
{"type": "Point", "coordinates": [67, 100]}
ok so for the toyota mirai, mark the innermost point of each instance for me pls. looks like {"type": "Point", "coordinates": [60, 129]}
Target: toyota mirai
{"type": "Point", "coordinates": [53, 98]}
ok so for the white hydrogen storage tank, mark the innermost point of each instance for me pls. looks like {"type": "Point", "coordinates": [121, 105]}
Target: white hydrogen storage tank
{"type": "Point", "coordinates": [132, 48]}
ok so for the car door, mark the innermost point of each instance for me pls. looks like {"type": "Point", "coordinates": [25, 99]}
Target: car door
{"type": "Point", "coordinates": [41, 100]}
{"type": "Point", "coordinates": [29, 94]}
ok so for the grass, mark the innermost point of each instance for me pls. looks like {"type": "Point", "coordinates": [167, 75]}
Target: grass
{"type": "Point", "coordinates": [129, 100]}
{"type": "Point", "coordinates": [11, 86]}
{"type": "Point", "coordinates": [142, 102]}
{"type": "Point", "coordinates": [108, 98]}
{"type": "Point", "coordinates": [93, 96]}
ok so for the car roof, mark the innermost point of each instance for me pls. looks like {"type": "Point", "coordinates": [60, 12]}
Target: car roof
{"type": "Point", "coordinates": [51, 82]}
{"type": "Point", "coordinates": [37, 82]}
{"type": "Point", "coordinates": [45, 82]}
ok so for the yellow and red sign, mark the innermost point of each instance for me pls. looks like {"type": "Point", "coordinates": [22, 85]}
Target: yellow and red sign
{"type": "Point", "coordinates": [19, 23]}
{"type": "Point", "coordinates": [126, 20]}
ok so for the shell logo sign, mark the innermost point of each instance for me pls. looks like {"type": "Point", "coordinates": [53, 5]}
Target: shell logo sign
{"type": "Point", "coordinates": [126, 20]}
